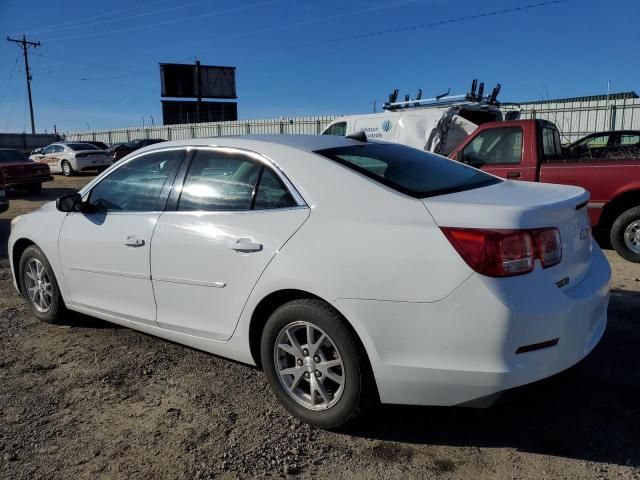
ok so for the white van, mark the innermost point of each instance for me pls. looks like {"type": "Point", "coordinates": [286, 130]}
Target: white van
{"type": "Point", "coordinates": [437, 125]}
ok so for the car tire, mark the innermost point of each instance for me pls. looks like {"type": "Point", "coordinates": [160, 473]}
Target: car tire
{"type": "Point", "coordinates": [625, 235]}
{"type": "Point", "coordinates": [332, 383]}
{"type": "Point", "coordinates": [34, 188]}
{"type": "Point", "coordinates": [35, 272]}
{"type": "Point", "coordinates": [67, 170]}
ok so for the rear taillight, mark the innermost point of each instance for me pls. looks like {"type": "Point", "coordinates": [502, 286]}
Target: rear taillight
{"type": "Point", "coordinates": [503, 253]}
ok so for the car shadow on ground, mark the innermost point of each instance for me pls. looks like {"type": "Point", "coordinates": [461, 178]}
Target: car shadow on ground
{"type": "Point", "coordinates": [47, 194]}
{"type": "Point", "coordinates": [589, 412]}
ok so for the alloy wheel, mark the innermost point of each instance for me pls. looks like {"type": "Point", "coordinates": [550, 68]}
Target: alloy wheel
{"type": "Point", "coordinates": [38, 285]}
{"type": "Point", "coordinates": [309, 366]}
{"type": "Point", "coordinates": [632, 236]}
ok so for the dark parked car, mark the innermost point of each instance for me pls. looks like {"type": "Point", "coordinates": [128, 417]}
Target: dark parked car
{"type": "Point", "coordinates": [617, 144]}
{"type": "Point", "coordinates": [4, 199]}
{"type": "Point", "coordinates": [19, 171]}
{"type": "Point", "coordinates": [123, 149]}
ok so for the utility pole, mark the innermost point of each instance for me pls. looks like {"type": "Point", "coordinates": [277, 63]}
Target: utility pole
{"type": "Point", "coordinates": [24, 44]}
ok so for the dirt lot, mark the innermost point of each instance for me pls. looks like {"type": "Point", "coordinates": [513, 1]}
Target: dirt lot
{"type": "Point", "coordinates": [92, 400]}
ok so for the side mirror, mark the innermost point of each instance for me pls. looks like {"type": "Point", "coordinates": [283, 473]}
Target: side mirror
{"type": "Point", "coordinates": [69, 203]}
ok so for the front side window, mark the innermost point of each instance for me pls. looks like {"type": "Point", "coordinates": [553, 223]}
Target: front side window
{"type": "Point", "coordinates": [411, 171]}
{"type": "Point", "coordinates": [497, 146]}
{"type": "Point", "coordinates": [338, 129]}
{"type": "Point", "coordinates": [630, 140]}
{"type": "Point", "coordinates": [599, 141]}
{"type": "Point", "coordinates": [137, 185]}
{"type": "Point", "coordinates": [50, 149]}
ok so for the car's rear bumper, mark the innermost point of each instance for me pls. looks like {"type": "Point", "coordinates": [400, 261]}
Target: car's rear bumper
{"type": "Point", "coordinates": [463, 348]}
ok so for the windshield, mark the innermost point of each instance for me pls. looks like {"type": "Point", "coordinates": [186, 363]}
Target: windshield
{"type": "Point", "coordinates": [12, 156]}
{"type": "Point", "coordinates": [81, 146]}
{"type": "Point", "coordinates": [411, 171]}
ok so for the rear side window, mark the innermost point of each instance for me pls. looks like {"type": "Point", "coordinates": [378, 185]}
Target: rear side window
{"type": "Point", "coordinates": [414, 172]}
{"type": "Point", "coordinates": [496, 146]}
{"type": "Point", "coordinates": [630, 140]}
{"type": "Point", "coordinates": [551, 147]}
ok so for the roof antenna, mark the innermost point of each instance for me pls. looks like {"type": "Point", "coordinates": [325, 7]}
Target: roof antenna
{"type": "Point", "coordinates": [358, 136]}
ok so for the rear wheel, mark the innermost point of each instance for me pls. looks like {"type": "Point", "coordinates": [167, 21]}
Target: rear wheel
{"type": "Point", "coordinates": [66, 168]}
{"type": "Point", "coordinates": [625, 235]}
{"type": "Point", "coordinates": [35, 188]}
{"type": "Point", "coordinates": [315, 365]}
{"type": "Point", "coordinates": [39, 286]}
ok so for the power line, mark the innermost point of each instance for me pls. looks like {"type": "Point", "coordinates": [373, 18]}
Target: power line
{"type": "Point", "coordinates": [24, 44]}
{"type": "Point", "coordinates": [168, 22]}
{"type": "Point", "coordinates": [445, 21]}
{"type": "Point", "coordinates": [122, 19]}
{"type": "Point", "coordinates": [102, 15]}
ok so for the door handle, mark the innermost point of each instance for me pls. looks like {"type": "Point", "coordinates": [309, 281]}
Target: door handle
{"type": "Point", "coordinates": [514, 174]}
{"type": "Point", "coordinates": [132, 241]}
{"type": "Point", "coordinates": [246, 245]}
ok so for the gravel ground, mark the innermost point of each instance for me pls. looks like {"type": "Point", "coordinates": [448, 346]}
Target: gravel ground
{"type": "Point", "coordinates": [93, 400]}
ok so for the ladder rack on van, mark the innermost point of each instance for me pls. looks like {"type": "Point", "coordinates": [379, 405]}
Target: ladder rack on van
{"type": "Point", "coordinates": [445, 99]}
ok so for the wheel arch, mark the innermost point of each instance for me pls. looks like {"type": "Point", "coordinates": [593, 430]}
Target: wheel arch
{"type": "Point", "coordinates": [272, 302]}
{"type": "Point", "coordinates": [19, 246]}
{"type": "Point", "coordinates": [618, 205]}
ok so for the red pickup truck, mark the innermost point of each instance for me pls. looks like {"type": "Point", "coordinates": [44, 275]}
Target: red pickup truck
{"type": "Point", "coordinates": [530, 150]}
{"type": "Point", "coordinates": [20, 172]}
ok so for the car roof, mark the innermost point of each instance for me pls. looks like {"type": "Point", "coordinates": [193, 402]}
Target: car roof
{"type": "Point", "coordinates": [307, 143]}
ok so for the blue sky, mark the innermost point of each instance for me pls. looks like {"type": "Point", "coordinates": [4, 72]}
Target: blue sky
{"type": "Point", "coordinates": [98, 63]}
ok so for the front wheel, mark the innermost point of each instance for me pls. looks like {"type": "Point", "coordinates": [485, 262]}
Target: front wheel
{"type": "Point", "coordinates": [315, 365]}
{"type": "Point", "coordinates": [625, 235]}
{"type": "Point", "coordinates": [39, 286]}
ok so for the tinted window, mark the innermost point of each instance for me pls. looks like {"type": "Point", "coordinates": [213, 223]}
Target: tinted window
{"type": "Point", "coordinates": [598, 141]}
{"type": "Point", "coordinates": [630, 140]}
{"type": "Point", "coordinates": [408, 170]}
{"type": "Point", "coordinates": [81, 146]}
{"type": "Point", "coordinates": [12, 156]}
{"type": "Point", "coordinates": [551, 147]}
{"type": "Point", "coordinates": [339, 129]}
{"type": "Point", "coordinates": [497, 146]}
{"type": "Point", "coordinates": [219, 181]}
{"type": "Point", "coordinates": [272, 193]}
{"type": "Point", "coordinates": [138, 184]}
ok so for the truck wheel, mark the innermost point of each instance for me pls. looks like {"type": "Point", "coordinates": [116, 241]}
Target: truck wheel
{"type": "Point", "coordinates": [66, 169]}
{"type": "Point", "coordinates": [625, 235]}
{"type": "Point", "coordinates": [35, 188]}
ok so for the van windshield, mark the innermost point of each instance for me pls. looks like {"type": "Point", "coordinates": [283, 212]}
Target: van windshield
{"type": "Point", "coordinates": [408, 170]}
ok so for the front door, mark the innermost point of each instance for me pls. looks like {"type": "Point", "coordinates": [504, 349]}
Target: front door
{"type": "Point", "coordinates": [105, 254]}
{"type": "Point", "coordinates": [234, 213]}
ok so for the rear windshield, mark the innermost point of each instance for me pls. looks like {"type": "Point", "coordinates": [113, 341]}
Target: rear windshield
{"type": "Point", "coordinates": [12, 156]}
{"type": "Point", "coordinates": [81, 146]}
{"type": "Point", "coordinates": [408, 170]}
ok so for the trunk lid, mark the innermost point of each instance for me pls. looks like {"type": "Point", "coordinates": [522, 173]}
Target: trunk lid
{"type": "Point", "coordinates": [525, 205]}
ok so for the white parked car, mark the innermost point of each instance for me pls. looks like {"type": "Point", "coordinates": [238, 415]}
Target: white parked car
{"type": "Point", "coordinates": [69, 158]}
{"type": "Point", "coordinates": [349, 271]}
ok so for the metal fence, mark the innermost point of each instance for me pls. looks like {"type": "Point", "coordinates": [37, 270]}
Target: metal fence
{"type": "Point", "coordinates": [299, 125]}
{"type": "Point", "coordinates": [574, 117]}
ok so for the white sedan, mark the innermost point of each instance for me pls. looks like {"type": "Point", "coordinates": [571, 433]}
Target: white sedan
{"type": "Point", "coordinates": [351, 272]}
{"type": "Point", "coordinates": [69, 158]}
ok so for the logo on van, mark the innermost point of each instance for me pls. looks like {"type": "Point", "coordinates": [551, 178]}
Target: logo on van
{"type": "Point", "coordinates": [386, 125]}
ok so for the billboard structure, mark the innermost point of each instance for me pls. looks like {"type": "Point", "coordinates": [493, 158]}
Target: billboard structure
{"type": "Point", "coordinates": [197, 82]}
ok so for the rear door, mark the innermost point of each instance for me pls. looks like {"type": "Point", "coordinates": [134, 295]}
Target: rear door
{"type": "Point", "coordinates": [229, 219]}
{"type": "Point", "coordinates": [499, 151]}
